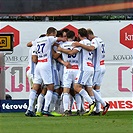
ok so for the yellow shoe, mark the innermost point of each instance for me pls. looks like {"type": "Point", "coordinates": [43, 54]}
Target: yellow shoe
{"type": "Point", "coordinates": [56, 114]}
{"type": "Point", "coordinates": [38, 114]}
{"type": "Point", "coordinates": [92, 106]}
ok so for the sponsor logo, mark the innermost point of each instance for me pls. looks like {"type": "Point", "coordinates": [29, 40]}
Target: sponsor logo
{"type": "Point", "coordinates": [126, 36]}
{"type": "Point", "coordinates": [10, 29]}
{"type": "Point", "coordinates": [13, 105]}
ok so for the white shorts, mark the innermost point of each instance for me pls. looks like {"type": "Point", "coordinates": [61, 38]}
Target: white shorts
{"type": "Point", "coordinates": [43, 73]}
{"type": "Point", "coordinates": [69, 78]}
{"type": "Point", "coordinates": [85, 77]}
{"type": "Point", "coordinates": [98, 76]}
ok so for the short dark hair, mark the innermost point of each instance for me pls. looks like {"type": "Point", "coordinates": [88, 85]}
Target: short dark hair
{"type": "Point", "coordinates": [70, 34]}
{"type": "Point", "coordinates": [51, 30]}
{"type": "Point", "coordinates": [59, 33]}
{"type": "Point", "coordinates": [82, 32]}
{"type": "Point", "coordinates": [90, 32]}
{"type": "Point", "coordinates": [65, 30]}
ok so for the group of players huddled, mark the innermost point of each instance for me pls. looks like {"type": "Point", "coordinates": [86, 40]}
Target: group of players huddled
{"type": "Point", "coordinates": [64, 68]}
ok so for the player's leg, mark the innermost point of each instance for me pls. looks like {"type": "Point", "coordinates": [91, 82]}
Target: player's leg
{"type": "Point", "coordinates": [32, 97]}
{"type": "Point", "coordinates": [58, 102]}
{"type": "Point", "coordinates": [97, 80]}
{"type": "Point", "coordinates": [66, 99]}
{"type": "Point", "coordinates": [48, 97]}
{"type": "Point", "coordinates": [67, 81]}
{"type": "Point", "coordinates": [56, 92]}
{"type": "Point", "coordinates": [79, 82]}
{"type": "Point", "coordinates": [40, 101]}
{"type": "Point", "coordinates": [78, 101]}
{"type": "Point", "coordinates": [55, 97]}
{"type": "Point", "coordinates": [33, 93]}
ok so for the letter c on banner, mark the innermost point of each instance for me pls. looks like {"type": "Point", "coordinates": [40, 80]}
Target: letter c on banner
{"type": "Point", "coordinates": [120, 88]}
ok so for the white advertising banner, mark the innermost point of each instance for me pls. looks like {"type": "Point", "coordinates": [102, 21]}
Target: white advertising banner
{"type": "Point", "coordinates": [118, 38]}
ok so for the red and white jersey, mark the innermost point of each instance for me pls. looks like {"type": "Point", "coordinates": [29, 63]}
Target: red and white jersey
{"type": "Point", "coordinates": [86, 57]}
{"type": "Point", "coordinates": [43, 48]}
{"type": "Point", "coordinates": [73, 59]}
{"type": "Point", "coordinates": [99, 52]}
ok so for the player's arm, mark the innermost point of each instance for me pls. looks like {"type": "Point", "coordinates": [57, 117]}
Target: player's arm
{"type": "Point", "coordinates": [67, 64]}
{"type": "Point", "coordinates": [89, 48]}
{"type": "Point", "coordinates": [55, 55]}
{"type": "Point", "coordinates": [29, 44]}
{"type": "Point", "coordinates": [35, 58]}
{"type": "Point", "coordinates": [67, 51]}
{"type": "Point", "coordinates": [34, 55]}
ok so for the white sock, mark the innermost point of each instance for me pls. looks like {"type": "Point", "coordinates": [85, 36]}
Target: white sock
{"type": "Point", "coordinates": [32, 98]}
{"type": "Point", "coordinates": [78, 101]}
{"type": "Point", "coordinates": [99, 100]}
{"type": "Point", "coordinates": [40, 102]}
{"type": "Point", "coordinates": [65, 101]}
{"type": "Point", "coordinates": [71, 102]}
{"type": "Point", "coordinates": [57, 105]}
{"type": "Point", "coordinates": [93, 98]}
{"type": "Point", "coordinates": [48, 98]}
{"type": "Point", "coordinates": [82, 104]}
{"type": "Point", "coordinates": [53, 101]}
{"type": "Point", "coordinates": [85, 95]}
{"type": "Point", "coordinates": [34, 104]}
{"type": "Point", "coordinates": [61, 108]}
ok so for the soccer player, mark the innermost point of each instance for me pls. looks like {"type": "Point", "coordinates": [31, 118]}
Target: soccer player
{"type": "Point", "coordinates": [43, 71]}
{"type": "Point", "coordinates": [97, 46]}
{"type": "Point", "coordinates": [86, 68]}
{"type": "Point", "coordinates": [69, 73]}
{"type": "Point", "coordinates": [30, 75]}
{"type": "Point", "coordinates": [99, 67]}
{"type": "Point", "coordinates": [31, 68]}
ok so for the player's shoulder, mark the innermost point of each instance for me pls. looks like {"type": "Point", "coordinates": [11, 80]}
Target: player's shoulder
{"type": "Point", "coordinates": [67, 44]}
{"type": "Point", "coordinates": [96, 38]}
{"type": "Point", "coordinates": [51, 37]}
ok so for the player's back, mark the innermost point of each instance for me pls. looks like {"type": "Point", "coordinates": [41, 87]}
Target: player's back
{"type": "Point", "coordinates": [99, 52]}
{"type": "Point", "coordinates": [43, 48]}
{"type": "Point", "coordinates": [86, 56]}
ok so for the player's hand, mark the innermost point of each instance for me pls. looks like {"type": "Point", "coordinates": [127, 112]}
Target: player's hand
{"type": "Point", "coordinates": [55, 44]}
{"type": "Point", "coordinates": [59, 48]}
{"type": "Point", "coordinates": [67, 64]}
{"type": "Point", "coordinates": [76, 44]}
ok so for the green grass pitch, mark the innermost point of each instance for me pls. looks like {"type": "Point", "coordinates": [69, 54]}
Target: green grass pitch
{"type": "Point", "coordinates": [112, 122]}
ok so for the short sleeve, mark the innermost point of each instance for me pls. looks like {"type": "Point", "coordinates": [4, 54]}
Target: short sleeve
{"type": "Point", "coordinates": [34, 50]}
{"type": "Point", "coordinates": [94, 43]}
{"type": "Point", "coordinates": [52, 39]}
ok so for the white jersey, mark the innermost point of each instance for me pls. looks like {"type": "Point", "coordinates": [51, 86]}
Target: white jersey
{"type": "Point", "coordinates": [86, 56]}
{"type": "Point", "coordinates": [73, 59]}
{"type": "Point", "coordinates": [44, 69]}
{"type": "Point", "coordinates": [43, 48]}
{"type": "Point", "coordinates": [70, 73]}
{"type": "Point", "coordinates": [99, 52]}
